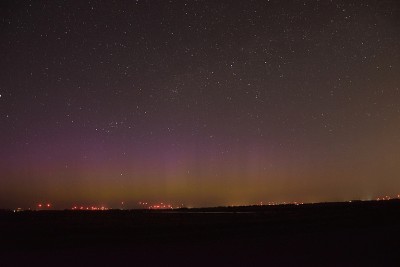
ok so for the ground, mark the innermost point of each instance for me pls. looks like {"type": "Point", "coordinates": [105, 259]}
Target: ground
{"type": "Point", "coordinates": [330, 234]}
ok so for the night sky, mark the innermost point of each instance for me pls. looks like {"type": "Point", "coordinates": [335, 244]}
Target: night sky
{"type": "Point", "coordinates": [200, 103]}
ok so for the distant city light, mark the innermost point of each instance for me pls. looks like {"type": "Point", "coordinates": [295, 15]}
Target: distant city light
{"type": "Point", "coordinates": [89, 208]}
{"type": "Point", "coordinates": [160, 206]}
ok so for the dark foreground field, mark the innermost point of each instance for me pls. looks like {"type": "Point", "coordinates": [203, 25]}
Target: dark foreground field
{"type": "Point", "coordinates": [335, 234]}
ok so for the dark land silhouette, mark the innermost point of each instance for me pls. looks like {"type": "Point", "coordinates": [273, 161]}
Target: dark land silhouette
{"type": "Point", "coordinates": [327, 234]}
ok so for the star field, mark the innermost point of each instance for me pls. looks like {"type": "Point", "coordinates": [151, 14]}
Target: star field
{"type": "Point", "coordinates": [198, 102]}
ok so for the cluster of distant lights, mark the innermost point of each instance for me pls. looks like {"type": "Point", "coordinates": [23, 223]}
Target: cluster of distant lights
{"type": "Point", "coordinates": [157, 206]}
{"type": "Point", "coordinates": [280, 203]}
{"type": "Point", "coordinates": [160, 206]}
{"type": "Point", "coordinates": [387, 198]}
{"type": "Point", "coordinates": [48, 206]}
{"type": "Point", "coordinates": [39, 206]}
{"type": "Point", "coordinates": [89, 208]}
